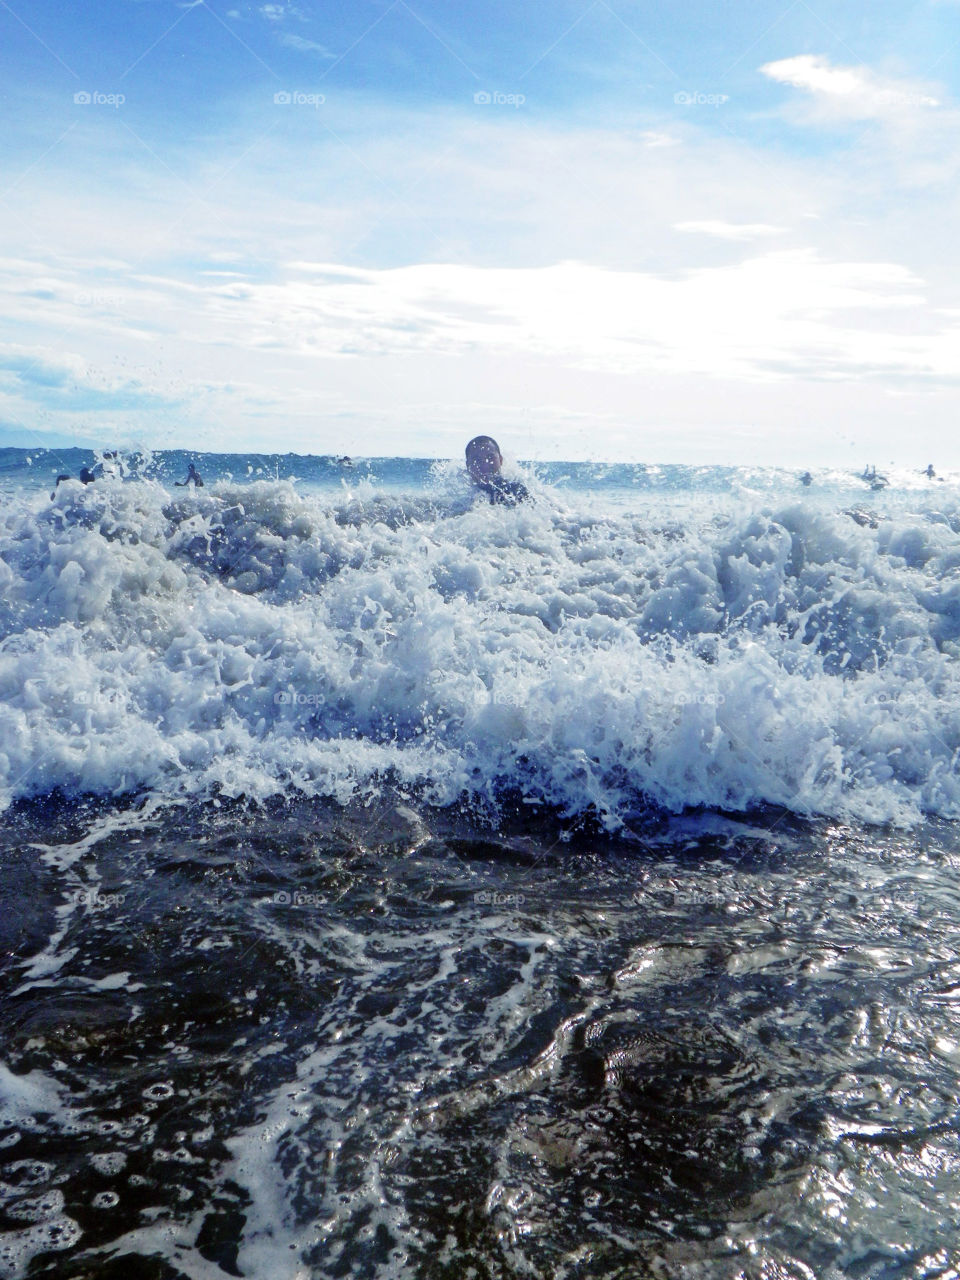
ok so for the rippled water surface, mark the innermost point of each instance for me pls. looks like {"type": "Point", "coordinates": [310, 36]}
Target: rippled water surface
{"type": "Point", "coordinates": [307, 1041]}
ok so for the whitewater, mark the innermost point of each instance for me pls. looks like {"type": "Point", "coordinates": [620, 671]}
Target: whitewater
{"type": "Point", "coordinates": [632, 640]}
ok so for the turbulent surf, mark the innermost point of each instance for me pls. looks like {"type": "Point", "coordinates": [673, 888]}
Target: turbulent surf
{"type": "Point", "coordinates": [396, 885]}
{"type": "Point", "coordinates": [590, 652]}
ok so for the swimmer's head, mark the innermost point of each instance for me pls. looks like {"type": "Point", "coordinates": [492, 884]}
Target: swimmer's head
{"type": "Point", "coordinates": [484, 458]}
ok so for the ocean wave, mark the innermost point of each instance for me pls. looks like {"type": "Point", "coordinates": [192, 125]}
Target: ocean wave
{"type": "Point", "coordinates": [254, 640]}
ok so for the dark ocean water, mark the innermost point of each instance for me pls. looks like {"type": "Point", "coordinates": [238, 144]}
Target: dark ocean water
{"type": "Point", "coordinates": [397, 886]}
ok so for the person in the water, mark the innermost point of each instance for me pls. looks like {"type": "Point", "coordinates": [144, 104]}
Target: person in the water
{"type": "Point", "coordinates": [87, 476]}
{"type": "Point", "coordinates": [193, 477]}
{"type": "Point", "coordinates": [929, 473]}
{"type": "Point", "coordinates": [484, 461]}
{"type": "Point", "coordinates": [806, 479]}
{"type": "Point", "coordinates": [874, 479]}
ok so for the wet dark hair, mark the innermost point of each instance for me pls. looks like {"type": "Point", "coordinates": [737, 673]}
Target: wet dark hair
{"type": "Point", "coordinates": [478, 442]}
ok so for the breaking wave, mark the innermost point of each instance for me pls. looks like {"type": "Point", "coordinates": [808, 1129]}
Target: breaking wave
{"type": "Point", "coordinates": [253, 639]}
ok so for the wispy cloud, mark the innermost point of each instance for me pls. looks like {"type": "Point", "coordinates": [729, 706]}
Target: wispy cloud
{"type": "Point", "coordinates": [853, 92]}
{"type": "Point", "coordinates": [732, 230]}
{"type": "Point", "coordinates": [67, 379]}
{"type": "Point", "coordinates": [303, 45]}
{"type": "Point", "coordinates": [776, 315]}
{"type": "Point", "coordinates": [418, 268]}
{"type": "Point", "coordinates": [652, 138]}
{"type": "Point", "coordinates": [325, 344]}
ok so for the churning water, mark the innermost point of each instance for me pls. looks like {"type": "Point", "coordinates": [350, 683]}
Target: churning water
{"type": "Point", "coordinates": [395, 885]}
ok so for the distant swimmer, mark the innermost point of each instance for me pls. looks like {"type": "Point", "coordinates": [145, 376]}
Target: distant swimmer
{"type": "Point", "coordinates": [806, 479]}
{"type": "Point", "coordinates": [484, 461]}
{"type": "Point", "coordinates": [87, 476]}
{"type": "Point", "coordinates": [874, 479]}
{"type": "Point", "coordinates": [929, 473]}
{"type": "Point", "coordinates": [345, 461]}
{"type": "Point", "coordinates": [193, 477]}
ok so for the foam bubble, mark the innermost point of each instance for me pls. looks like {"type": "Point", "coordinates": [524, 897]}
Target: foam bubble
{"type": "Point", "coordinates": [159, 1092]}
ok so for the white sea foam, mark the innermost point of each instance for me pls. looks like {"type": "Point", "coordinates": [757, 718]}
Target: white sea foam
{"type": "Point", "coordinates": [19, 1248]}
{"type": "Point", "coordinates": [258, 640]}
{"type": "Point", "coordinates": [24, 1097]}
{"type": "Point", "coordinates": [27, 1197]}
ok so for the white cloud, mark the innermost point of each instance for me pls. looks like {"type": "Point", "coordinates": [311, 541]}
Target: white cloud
{"type": "Point", "coordinates": [854, 92]}
{"type": "Point", "coordinates": [413, 275]}
{"type": "Point", "coordinates": [324, 343]}
{"type": "Point", "coordinates": [766, 318]}
{"type": "Point", "coordinates": [731, 230]}
{"type": "Point", "coordinates": [68, 375]}
{"type": "Point", "coordinates": [651, 138]}
{"type": "Point", "coordinates": [303, 45]}
{"type": "Point", "coordinates": [274, 12]}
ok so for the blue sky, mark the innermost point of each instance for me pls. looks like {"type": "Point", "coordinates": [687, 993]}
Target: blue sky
{"type": "Point", "coordinates": [668, 233]}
